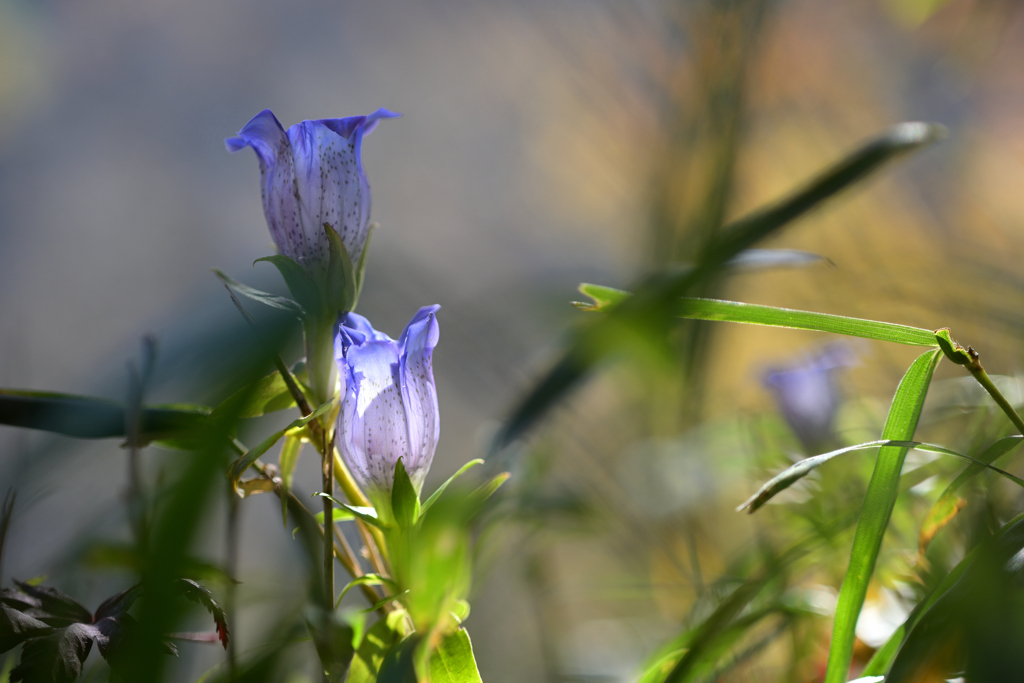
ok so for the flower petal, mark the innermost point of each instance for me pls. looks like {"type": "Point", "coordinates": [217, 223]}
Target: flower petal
{"type": "Point", "coordinates": [278, 188]}
{"type": "Point", "coordinates": [419, 394]}
{"type": "Point", "coordinates": [331, 181]}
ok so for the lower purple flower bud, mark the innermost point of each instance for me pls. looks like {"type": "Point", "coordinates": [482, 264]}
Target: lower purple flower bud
{"type": "Point", "coordinates": [389, 406]}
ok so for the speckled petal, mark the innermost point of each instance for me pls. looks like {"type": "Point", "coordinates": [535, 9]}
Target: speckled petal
{"type": "Point", "coordinates": [278, 189]}
{"type": "Point", "coordinates": [331, 181]}
{"type": "Point", "coordinates": [374, 431]}
{"type": "Point", "coordinates": [419, 395]}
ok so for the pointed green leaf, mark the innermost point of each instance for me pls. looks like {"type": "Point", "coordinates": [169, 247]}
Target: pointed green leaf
{"type": "Point", "coordinates": [874, 516]}
{"type": "Point", "coordinates": [266, 395]}
{"type": "Point", "coordinates": [338, 515]}
{"type": "Point", "coordinates": [239, 466]}
{"type": "Point", "coordinates": [405, 502]}
{"type": "Point", "coordinates": [453, 661]}
{"type": "Point", "coordinates": [365, 514]}
{"type": "Point", "coordinates": [440, 489]}
{"type": "Point", "coordinates": [300, 284]}
{"type": "Point", "coordinates": [279, 302]}
{"type": "Point", "coordinates": [341, 276]}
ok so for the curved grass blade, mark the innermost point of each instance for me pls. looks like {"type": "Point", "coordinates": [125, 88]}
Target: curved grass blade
{"type": "Point", "coordinates": [655, 298]}
{"type": "Point", "coordinates": [949, 503]}
{"type": "Point", "coordinates": [878, 504]}
{"type": "Point", "coordinates": [86, 417]}
{"type": "Point", "coordinates": [801, 469]}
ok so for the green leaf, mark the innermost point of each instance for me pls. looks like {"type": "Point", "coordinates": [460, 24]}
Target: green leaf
{"type": "Point", "coordinates": [366, 514]}
{"type": "Point", "coordinates": [341, 277]}
{"type": "Point", "coordinates": [85, 417]}
{"type": "Point", "coordinates": [655, 299]}
{"type": "Point", "coordinates": [878, 505]}
{"type": "Point", "coordinates": [801, 469]}
{"type": "Point", "coordinates": [949, 503]}
{"type": "Point", "coordinates": [453, 661]}
{"type": "Point", "coordinates": [333, 640]}
{"type": "Point", "coordinates": [370, 653]}
{"type": "Point", "coordinates": [399, 665]}
{"type": "Point", "coordinates": [933, 621]}
{"type": "Point", "coordinates": [279, 302]}
{"type": "Point", "coordinates": [337, 514]}
{"type": "Point", "coordinates": [266, 395]}
{"type": "Point", "coordinates": [405, 502]}
{"type": "Point", "coordinates": [286, 462]}
{"type": "Point", "coordinates": [440, 489]}
{"type": "Point", "coordinates": [239, 466]}
{"type": "Point", "coordinates": [365, 580]}
{"type": "Point", "coordinates": [300, 284]}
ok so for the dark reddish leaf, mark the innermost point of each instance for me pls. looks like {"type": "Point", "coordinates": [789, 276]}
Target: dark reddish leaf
{"type": "Point", "coordinates": [16, 627]}
{"type": "Point", "coordinates": [198, 594]}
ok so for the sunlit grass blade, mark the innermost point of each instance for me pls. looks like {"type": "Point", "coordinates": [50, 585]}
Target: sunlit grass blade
{"type": "Point", "coordinates": [878, 504]}
{"type": "Point", "coordinates": [773, 316]}
{"type": "Point", "coordinates": [653, 303]}
{"type": "Point", "coordinates": [86, 417]}
{"type": "Point", "coordinates": [801, 469]}
{"type": "Point", "coordinates": [949, 503]}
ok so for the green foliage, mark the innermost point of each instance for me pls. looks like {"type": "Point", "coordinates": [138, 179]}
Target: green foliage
{"type": "Point", "coordinates": [878, 504]}
{"type": "Point", "coordinates": [648, 312]}
{"type": "Point", "coordinates": [453, 661]}
{"type": "Point", "coordinates": [405, 502]}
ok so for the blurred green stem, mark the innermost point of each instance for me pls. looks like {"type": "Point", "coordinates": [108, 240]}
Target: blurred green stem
{"type": "Point", "coordinates": [985, 381]}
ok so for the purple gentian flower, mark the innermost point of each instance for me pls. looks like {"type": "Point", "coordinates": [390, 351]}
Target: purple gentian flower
{"type": "Point", "coordinates": [389, 409]}
{"type": "Point", "coordinates": [312, 174]}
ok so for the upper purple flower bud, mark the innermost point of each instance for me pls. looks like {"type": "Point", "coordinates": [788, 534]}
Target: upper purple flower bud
{"type": "Point", "coordinates": [312, 174]}
{"type": "Point", "coordinates": [389, 409]}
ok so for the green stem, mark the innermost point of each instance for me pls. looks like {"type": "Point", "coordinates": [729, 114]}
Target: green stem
{"type": "Point", "coordinates": [985, 381]}
{"type": "Point", "coordinates": [971, 359]}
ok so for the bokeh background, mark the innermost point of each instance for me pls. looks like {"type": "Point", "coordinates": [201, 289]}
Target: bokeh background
{"type": "Point", "coordinates": [542, 144]}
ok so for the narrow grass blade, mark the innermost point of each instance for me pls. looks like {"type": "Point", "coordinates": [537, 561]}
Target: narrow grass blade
{"type": "Point", "coordinates": [801, 469]}
{"type": "Point", "coordinates": [877, 508]}
{"type": "Point", "coordinates": [773, 316]}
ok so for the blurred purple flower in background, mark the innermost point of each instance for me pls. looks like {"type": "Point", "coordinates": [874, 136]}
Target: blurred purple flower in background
{"type": "Point", "coordinates": [312, 174]}
{"type": "Point", "coordinates": [808, 394]}
{"type": "Point", "coordinates": [389, 407]}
